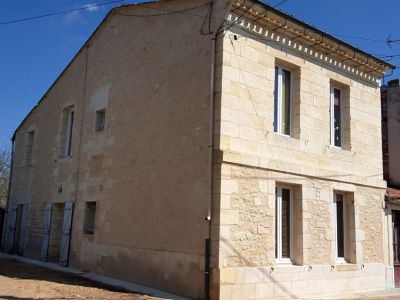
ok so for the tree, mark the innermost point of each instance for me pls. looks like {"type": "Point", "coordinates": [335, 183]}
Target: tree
{"type": "Point", "coordinates": [5, 164]}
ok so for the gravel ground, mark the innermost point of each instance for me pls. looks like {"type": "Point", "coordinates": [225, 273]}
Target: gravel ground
{"type": "Point", "coordinates": [23, 281]}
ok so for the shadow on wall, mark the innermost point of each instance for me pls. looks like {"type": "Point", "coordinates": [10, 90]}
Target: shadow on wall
{"type": "Point", "coordinates": [14, 269]}
{"type": "Point", "coordinates": [13, 298]}
{"type": "Point", "coordinates": [265, 273]}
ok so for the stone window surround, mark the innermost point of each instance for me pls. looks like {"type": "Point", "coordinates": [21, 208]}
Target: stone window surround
{"type": "Point", "coordinates": [29, 146]}
{"type": "Point", "coordinates": [66, 131]}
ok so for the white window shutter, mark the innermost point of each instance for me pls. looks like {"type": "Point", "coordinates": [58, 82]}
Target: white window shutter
{"type": "Point", "coordinates": [48, 207]}
{"type": "Point", "coordinates": [66, 233]}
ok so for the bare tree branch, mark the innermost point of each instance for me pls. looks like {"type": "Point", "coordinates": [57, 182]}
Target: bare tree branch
{"type": "Point", "coordinates": [5, 164]}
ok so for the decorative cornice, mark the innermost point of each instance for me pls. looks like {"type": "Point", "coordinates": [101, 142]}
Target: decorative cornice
{"type": "Point", "coordinates": [272, 26]}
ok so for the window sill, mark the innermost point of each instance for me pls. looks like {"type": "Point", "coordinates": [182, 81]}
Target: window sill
{"type": "Point", "coordinates": [345, 266]}
{"type": "Point", "coordinates": [65, 159]}
{"type": "Point", "coordinates": [288, 136]}
{"type": "Point", "coordinates": [283, 262]}
{"type": "Point", "coordinates": [339, 150]}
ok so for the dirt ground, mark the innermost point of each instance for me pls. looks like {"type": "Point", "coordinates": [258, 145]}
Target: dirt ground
{"type": "Point", "coordinates": [23, 281]}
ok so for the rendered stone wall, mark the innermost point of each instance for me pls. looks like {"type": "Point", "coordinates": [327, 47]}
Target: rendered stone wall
{"type": "Point", "coordinates": [149, 170]}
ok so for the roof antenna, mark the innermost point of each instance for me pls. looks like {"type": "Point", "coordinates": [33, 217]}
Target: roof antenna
{"type": "Point", "coordinates": [389, 41]}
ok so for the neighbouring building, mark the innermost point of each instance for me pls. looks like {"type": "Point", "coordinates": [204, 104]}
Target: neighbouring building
{"type": "Point", "coordinates": [218, 149]}
{"type": "Point", "coordinates": [391, 171]}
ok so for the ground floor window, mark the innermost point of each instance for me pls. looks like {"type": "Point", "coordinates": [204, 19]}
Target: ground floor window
{"type": "Point", "coordinates": [340, 222]}
{"type": "Point", "coordinates": [90, 213]}
{"type": "Point", "coordinates": [283, 235]}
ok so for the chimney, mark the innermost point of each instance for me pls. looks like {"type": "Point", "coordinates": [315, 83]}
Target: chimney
{"type": "Point", "coordinates": [393, 83]}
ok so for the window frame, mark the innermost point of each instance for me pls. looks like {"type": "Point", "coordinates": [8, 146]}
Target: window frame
{"type": "Point", "coordinates": [68, 135]}
{"type": "Point", "coordinates": [332, 116]}
{"type": "Point", "coordinates": [89, 205]}
{"type": "Point", "coordinates": [98, 113]}
{"type": "Point", "coordinates": [278, 95]}
{"type": "Point", "coordinates": [30, 145]}
{"type": "Point", "coordinates": [340, 260]}
{"type": "Point", "coordinates": [278, 230]}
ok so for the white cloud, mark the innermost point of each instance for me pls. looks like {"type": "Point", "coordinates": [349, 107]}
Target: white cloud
{"type": "Point", "coordinates": [92, 8]}
{"type": "Point", "coordinates": [76, 17]}
{"type": "Point", "coordinates": [73, 17]}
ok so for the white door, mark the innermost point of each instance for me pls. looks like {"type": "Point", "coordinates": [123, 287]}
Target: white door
{"type": "Point", "coordinates": [11, 219]}
{"type": "Point", "coordinates": [66, 233]}
{"type": "Point", "coordinates": [23, 231]}
{"type": "Point", "coordinates": [48, 207]}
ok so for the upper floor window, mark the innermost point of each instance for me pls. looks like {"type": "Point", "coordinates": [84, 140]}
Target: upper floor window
{"type": "Point", "coordinates": [68, 141]}
{"type": "Point", "coordinates": [29, 147]}
{"type": "Point", "coordinates": [336, 111]}
{"type": "Point", "coordinates": [283, 232]}
{"type": "Point", "coordinates": [66, 132]}
{"type": "Point", "coordinates": [282, 100]}
{"type": "Point", "coordinates": [100, 119]}
{"type": "Point", "coordinates": [89, 221]}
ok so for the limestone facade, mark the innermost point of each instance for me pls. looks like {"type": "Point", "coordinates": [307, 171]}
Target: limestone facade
{"type": "Point", "coordinates": [255, 160]}
{"type": "Point", "coordinates": [189, 154]}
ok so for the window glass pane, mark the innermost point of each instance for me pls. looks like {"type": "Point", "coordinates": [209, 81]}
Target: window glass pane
{"type": "Point", "coordinates": [277, 220]}
{"type": "Point", "coordinates": [90, 214]}
{"type": "Point", "coordinates": [337, 125]}
{"type": "Point", "coordinates": [285, 121]}
{"type": "Point", "coordinates": [69, 135]}
{"type": "Point", "coordinates": [31, 135]}
{"type": "Point", "coordinates": [285, 217]}
{"type": "Point", "coordinates": [100, 119]}
{"type": "Point", "coordinates": [340, 225]}
{"type": "Point", "coordinates": [276, 99]}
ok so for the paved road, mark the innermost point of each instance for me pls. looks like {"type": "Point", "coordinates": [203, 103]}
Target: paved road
{"type": "Point", "coordinates": [24, 281]}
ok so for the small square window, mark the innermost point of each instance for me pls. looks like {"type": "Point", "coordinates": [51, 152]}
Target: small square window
{"type": "Point", "coordinates": [100, 119]}
{"type": "Point", "coordinates": [90, 213]}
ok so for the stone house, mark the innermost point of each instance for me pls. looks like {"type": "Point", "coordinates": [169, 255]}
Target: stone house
{"type": "Point", "coordinates": [218, 149]}
{"type": "Point", "coordinates": [390, 102]}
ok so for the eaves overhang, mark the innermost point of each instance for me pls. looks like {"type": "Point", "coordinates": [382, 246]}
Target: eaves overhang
{"type": "Point", "coordinates": [245, 13]}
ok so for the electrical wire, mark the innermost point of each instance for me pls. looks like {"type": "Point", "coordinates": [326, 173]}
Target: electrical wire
{"type": "Point", "coordinates": [229, 25]}
{"type": "Point", "coordinates": [59, 12]}
{"type": "Point", "coordinates": [168, 12]}
{"type": "Point", "coordinates": [208, 16]}
{"type": "Point", "coordinates": [280, 3]}
{"type": "Point", "coordinates": [360, 38]}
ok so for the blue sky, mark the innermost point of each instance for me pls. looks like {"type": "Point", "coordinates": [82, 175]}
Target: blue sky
{"type": "Point", "coordinates": [33, 53]}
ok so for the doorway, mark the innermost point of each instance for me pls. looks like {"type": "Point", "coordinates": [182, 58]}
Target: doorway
{"type": "Point", "coordinates": [15, 230]}
{"type": "Point", "coordinates": [20, 229]}
{"type": "Point", "coordinates": [56, 232]}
